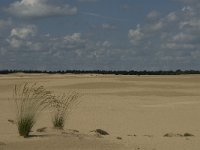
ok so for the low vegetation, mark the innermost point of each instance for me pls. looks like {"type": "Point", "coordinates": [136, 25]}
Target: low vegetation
{"type": "Point", "coordinates": [62, 106]}
{"type": "Point", "coordinates": [30, 100]}
{"type": "Point", "coordinates": [119, 72]}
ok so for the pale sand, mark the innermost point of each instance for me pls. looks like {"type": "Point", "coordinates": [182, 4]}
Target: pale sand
{"type": "Point", "coordinates": [124, 106]}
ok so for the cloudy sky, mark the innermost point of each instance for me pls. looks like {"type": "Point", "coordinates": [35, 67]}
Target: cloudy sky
{"type": "Point", "coordinates": [100, 34]}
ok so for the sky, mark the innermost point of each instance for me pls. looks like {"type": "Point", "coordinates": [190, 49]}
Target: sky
{"type": "Point", "coordinates": [100, 34]}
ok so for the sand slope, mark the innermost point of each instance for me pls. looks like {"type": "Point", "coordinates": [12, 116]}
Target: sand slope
{"type": "Point", "coordinates": [139, 109]}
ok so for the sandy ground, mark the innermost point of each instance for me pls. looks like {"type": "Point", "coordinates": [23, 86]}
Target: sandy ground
{"type": "Point", "coordinates": [139, 109]}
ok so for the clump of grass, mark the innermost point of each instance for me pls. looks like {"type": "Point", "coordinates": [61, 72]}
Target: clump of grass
{"type": "Point", "coordinates": [62, 106]}
{"type": "Point", "coordinates": [30, 100]}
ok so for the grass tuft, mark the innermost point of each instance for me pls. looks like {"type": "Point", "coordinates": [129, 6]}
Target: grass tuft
{"type": "Point", "coordinates": [30, 100]}
{"type": "Point", "coordinates": [58, 121]}
{"type": "Point", "coordinates": [62, 106]}
{"type": "Point", "coordinates": [25, 125]}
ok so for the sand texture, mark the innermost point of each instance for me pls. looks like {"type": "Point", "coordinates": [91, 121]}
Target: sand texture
{"type": "Point", "coordinates": [138, 112]}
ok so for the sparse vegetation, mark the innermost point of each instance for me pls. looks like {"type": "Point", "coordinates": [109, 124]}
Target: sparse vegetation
{"type": "Point", "coordinates": [62, 106]}
{"type": "Point", "coordinates": [30, 100]}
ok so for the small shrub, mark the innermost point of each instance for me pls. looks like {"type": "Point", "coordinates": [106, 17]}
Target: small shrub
{"type": "Point", "coordinates": [30, 100]}
{"type": "Point", "coordinates": [62, 106]}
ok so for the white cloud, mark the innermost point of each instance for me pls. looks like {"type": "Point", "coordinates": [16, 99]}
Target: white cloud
{"type": "Point", "coordinates": [187, 8]}
{"type": "Point", "coordinates": [15, 43]}
{"type": "Point", "coordinates": [172, 38]}
{"type": "Point", "coordinates": [106, 44]}
{"type": "Point", "coordinates": [75, 37]}
{"type": "Point", "coordinates": [188, 11]}
{"type": "Point", "coordinates": [192, 23]}
{"type": "Point", "coordinates": [169, 40]}
{"type": "Point", "coordinates": [23, 32]}
{"type": "Point", "coordinates": [39, 8]}
{"type": "Point", "coordinates": [172, 16]}
{"type": "Point", "coordinates": [183, 37]}
{"type": "Point", "coordinates": [136, 35]}
{"type": "Point", "coordinates": [157, 26]}
{"type": "Point", "coordinates": [172, 30]}
{"type": "Point", "coordinates": [22, 36]}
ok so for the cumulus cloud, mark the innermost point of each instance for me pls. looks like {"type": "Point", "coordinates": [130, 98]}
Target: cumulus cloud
{"type": "Point", "coordinates": [163, 41]}
{"type": "Point", "coordinates": [26, 39]}
{"type": "Point", "coordinates": [156, 26]}
{"type": "Point", "coordinates": [188, 24]}
{"type": "Point", "coordinates": [173, 37]}
{"type": "Point", "coordinates": [60, 46]}
{"type": "Point", "coordinates": [172, 16]}
{"type": "Point", "coordinates": [174, 27]}
{"type": "Point", "coordinates": [183, 37]}
{"type": "Point", "coordinates": [20, 36]}
{"type": "Point", "coordinates": [75, 37]}
{"type": "Point", "coordinates": [136, 35]}
{"type": "Point", "coordinates": [15, 43]}
{"type": "Point", "coordinates": [23, 32]}
{"type": "Point", "coordinates": [38, 9]}
{"type": "Point", "coordinates": [72, 51]}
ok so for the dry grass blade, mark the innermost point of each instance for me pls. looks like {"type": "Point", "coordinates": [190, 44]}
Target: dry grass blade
{"type": "Point", "coordinates": [30, 100]}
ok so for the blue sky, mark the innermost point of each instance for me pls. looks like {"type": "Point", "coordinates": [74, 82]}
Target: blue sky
{"type": "Point", "coordinates": [100, 34]}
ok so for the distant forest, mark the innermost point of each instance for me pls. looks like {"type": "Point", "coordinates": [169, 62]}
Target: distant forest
{"type": "Point", "coordinates": [177, 72]}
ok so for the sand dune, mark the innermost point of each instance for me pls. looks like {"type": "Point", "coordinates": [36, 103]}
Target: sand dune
{"type": "Point", "coordinates": [139, 110]}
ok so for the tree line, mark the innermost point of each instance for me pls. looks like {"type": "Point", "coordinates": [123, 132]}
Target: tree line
{"type": "Point", "coordinates": [132, 72]}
